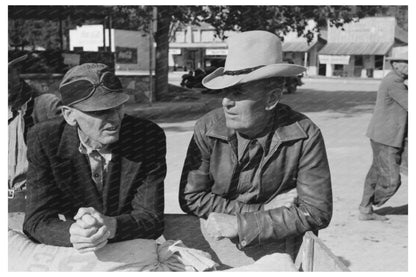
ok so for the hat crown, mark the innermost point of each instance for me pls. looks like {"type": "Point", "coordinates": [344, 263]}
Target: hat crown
{"type": "Point", "coordinates": [251, 49]}
{"type": "Point", "coordinates": [90, 71]}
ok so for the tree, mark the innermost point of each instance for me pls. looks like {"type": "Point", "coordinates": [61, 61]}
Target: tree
{"type": "Point", "coordinates": [276, 19]}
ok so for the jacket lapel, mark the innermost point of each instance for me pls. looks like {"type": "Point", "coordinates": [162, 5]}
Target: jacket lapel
{"type": "Point", "coordinates": [74, 170]}
{"type": "Point", "coordinates": [122, 172]}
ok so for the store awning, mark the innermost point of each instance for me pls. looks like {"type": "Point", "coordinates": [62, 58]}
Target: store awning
{"type": "Point", "coordinates": [356, 48]}
{"type": "Point", "coordinates": [198, 45]}
{"type": "Point", "coordinates": [334, 59]}
{"type": "Point", "coordinates": [297, 46]}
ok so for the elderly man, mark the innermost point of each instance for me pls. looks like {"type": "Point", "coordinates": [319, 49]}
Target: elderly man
{"type": "Point", "coordinates": [243, 158]}
{"type": "Point", "coordinates": [26, 107]}
{"type": "Point", "coordinates": [97, 176]}
{"type": "Point", "coordinates": [388, 137]}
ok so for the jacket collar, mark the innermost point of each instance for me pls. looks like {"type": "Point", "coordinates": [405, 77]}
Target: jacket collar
{"type": "Point", "coordinates": [69, 143]}
{"type": "Point", "coordinates": [286, 127]}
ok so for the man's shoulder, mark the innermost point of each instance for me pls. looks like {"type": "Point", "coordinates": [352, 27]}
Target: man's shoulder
{"type": "Point", "coordinates": [48, 132]}
{"type": "Point", "coordinates": [50, 126]}
{"type": "Point", "coordinates": [293, 117]}
{"type": "Point", "coordinates": [391, 77]}
{"type": "Point", "coordinates": [142, 125]}
{"type": "Point", "coordinates": [140, 134]}
{"type": "Point", "coordinates": [211, 118]}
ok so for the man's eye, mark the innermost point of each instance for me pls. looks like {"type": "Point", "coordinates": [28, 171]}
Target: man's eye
{"type": "Point", "coordinates": [96, 113]}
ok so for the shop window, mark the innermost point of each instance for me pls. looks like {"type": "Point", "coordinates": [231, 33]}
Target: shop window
{"type": "Point", "coordinates": [358, 61]}
{"type": "Point", "coordinates": [378, 62]}
{"type": "Point", "coordinates": [338, 70]}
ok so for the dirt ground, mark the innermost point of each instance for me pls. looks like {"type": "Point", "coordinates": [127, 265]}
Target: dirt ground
{"type": "Point", "coordinates": [342, 109]}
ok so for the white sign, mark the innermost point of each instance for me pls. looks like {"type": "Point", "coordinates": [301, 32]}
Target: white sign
{"type": "Point", "coordinates": [334, 59]}
{"type": "Point", "coordinates": [216, 52]}
{"type": "Point", "coordinates": [175, 51]}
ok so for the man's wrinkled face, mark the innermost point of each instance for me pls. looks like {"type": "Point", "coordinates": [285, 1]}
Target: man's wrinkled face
{"type": "Point", "coordinates": [245, 106]}
{"type": "Point", "coordinates": [101, 127]}
{"type": "Point", "coordinates": [401, 66]}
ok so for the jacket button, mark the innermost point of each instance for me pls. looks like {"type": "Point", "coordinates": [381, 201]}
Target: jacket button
{"type": "Point", "coordinates": [243, 243]}
{"type": "Point", "coordinates": [96, 175]}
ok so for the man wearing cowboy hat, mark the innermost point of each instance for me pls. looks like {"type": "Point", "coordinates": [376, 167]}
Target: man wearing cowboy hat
{"type": "Point", "coordinates": [26, 107]}
{"type": "Point", "coordinates": [388, 135]}
{"type": "Point", "coordinates": [244, 157]}
{"type": "Point", "coordinates": [97, 175]}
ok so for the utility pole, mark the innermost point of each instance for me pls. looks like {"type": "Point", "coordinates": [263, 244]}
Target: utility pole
{"type": "Point", "coordinates": [152, 30]}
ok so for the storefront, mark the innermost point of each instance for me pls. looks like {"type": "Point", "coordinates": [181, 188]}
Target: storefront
{"type": "Point", "coordinates": [191, 56]}
{"type": "Point", "coordinates": [298, 51]}
{"type": "Point", "coordinates": [360, 49]}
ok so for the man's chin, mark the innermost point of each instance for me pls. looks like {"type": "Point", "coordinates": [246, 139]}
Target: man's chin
{"type": "Point", "coordinates": [110, 139]}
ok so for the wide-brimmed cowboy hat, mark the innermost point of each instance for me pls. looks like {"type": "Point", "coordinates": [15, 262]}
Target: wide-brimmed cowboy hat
{"type": "Point", "coordinates": [252, 56]}
{"type": "Point", "coordinates": [398, 56]}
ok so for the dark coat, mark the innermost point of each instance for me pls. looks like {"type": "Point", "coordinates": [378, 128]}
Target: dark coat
{"type": "Point", "coordinates": [59, 181]}
{"type": "Point", "coordinates": [389, 122]}
{"type": "Point", "coordinates": [297, 159]}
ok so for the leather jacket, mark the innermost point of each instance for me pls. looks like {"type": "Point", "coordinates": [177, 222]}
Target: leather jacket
{"type": "Point", "coordinates": [297, 159]}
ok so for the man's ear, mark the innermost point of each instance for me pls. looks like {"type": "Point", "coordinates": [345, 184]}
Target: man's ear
{"type": "Point", "coordinates": [69, 115]}
{"type": "Point", "coordinates": [273, 99]}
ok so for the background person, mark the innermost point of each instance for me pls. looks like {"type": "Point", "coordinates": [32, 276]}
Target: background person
{"type": "Point", "coordinates": [388, 137]}
{"type": "Point", "coordinates": [26, 107]}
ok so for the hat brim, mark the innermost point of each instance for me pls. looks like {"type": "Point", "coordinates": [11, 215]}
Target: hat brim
{"type": "Point", "coordinates": [217, 79]}
{"type": "Point", "coordinates": [102, 100]}
{"type": "Point", "coordinates": [396, 59]}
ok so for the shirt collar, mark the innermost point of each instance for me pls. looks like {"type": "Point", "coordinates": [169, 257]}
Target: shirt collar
{"type": "Point", "coordinates": [242, 142]}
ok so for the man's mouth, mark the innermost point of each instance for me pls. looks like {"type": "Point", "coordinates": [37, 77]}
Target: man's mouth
{"type": "Point", "coordinates": [230, 113]}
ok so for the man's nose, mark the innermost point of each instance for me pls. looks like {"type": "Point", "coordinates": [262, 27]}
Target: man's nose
{"type": "Point", "coordinates": [116, 115]}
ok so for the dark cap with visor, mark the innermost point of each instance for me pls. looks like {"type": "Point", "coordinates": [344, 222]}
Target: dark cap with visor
{"type": "Point", "coordinates": [92, 87]}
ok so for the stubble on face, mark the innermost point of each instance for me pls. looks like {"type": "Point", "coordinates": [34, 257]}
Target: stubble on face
{"type": "Point", "coordinates": [245, 108]}
{"type": "Point", "coordinates": [100, 128]}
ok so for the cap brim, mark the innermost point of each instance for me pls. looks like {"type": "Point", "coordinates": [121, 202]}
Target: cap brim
{"type": "Point", "coordinates": [102, 100]}
{"type": "Point", "coordinates": [217, 79]}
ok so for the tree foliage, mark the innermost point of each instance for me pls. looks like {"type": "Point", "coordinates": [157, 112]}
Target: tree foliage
{"type": "Point", "coordinates": [276, 19]}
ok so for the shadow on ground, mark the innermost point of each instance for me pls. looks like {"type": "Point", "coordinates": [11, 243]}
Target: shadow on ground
{"type": "Point", "coordinates": [346, 262]}
{"type": "Point", "coordinates": [191, 104]}
{"type": "Point", "coordinates": [401, 210]}
{"type": "Point", "coordinates": [346, 102]}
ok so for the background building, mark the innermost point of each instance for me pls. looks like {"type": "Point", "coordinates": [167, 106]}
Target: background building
{"type": "Point", "coordinates": [195, 47]}
{"type": "Point", "coordinates": [360, 49]}
{"type": "Point", "coordinates": [131, 48]}
{"type": "Point", "coordinates": [299, 51]}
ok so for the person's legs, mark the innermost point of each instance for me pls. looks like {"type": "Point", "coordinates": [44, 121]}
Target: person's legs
{"type": "Point", "coordinates": [389, 170]}
{"type": "Point", "coordinates": [371, 181]}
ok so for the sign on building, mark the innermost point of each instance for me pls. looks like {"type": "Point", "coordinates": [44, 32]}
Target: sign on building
{"type": "Point", "coordinates": [126, 55]}
{"type": "Point", "coordinates": [216, 52]}
{"type": "Point", "coordinates": [334, 59]}
{"type": "Point", "coordinates": [175, 51]}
